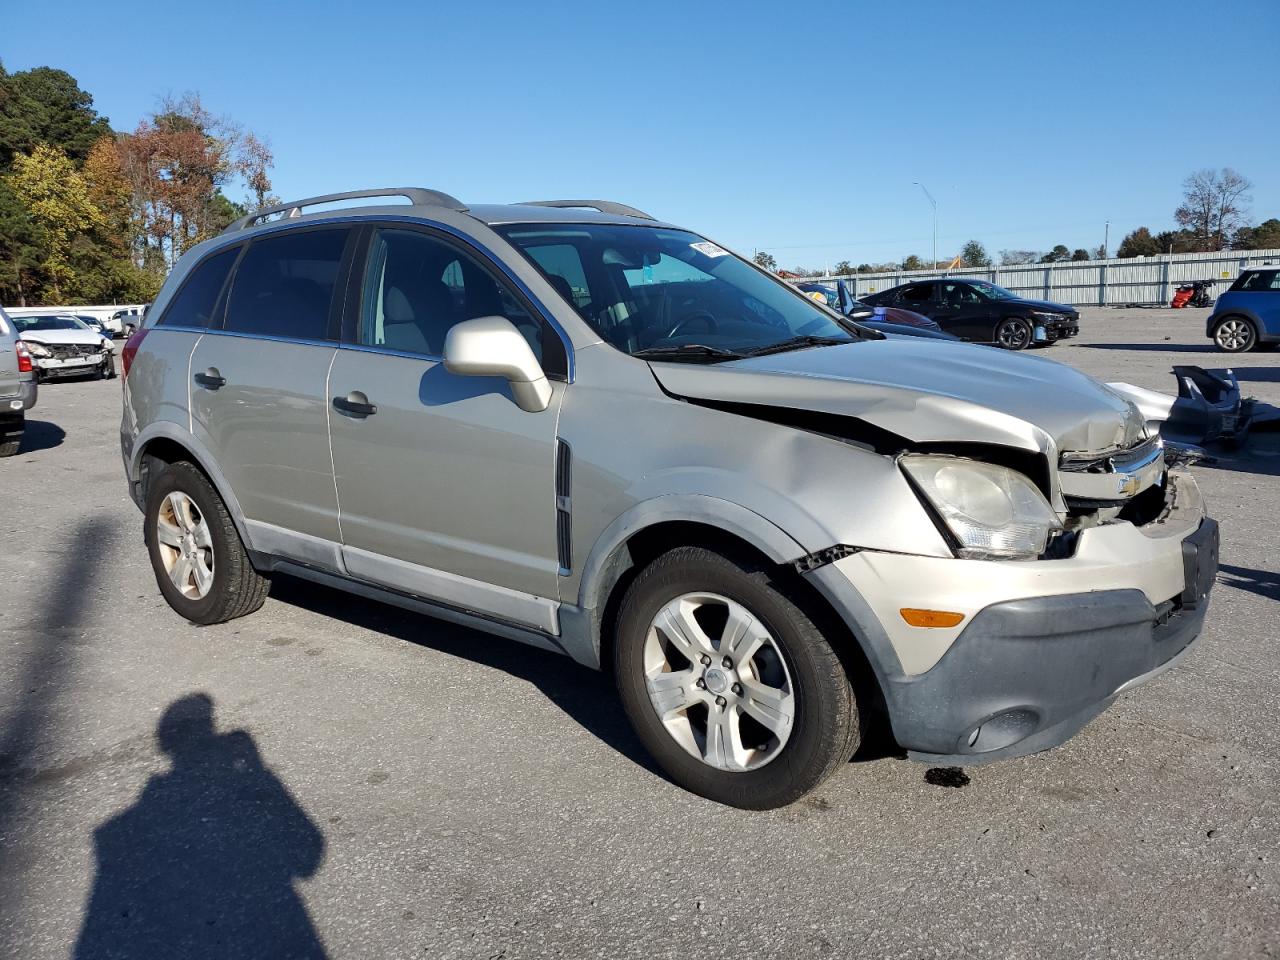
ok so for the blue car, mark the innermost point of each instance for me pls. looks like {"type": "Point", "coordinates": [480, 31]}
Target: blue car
{"type": "Point", "coordinates": [1247, 317]}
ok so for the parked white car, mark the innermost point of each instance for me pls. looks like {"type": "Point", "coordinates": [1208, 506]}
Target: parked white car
{"type": "Point", "coordinates": [63, 345]}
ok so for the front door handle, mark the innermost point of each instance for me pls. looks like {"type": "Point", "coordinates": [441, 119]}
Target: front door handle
{"type": "Point", "coordinates": [210, 379]}
{"type": "Point", "coordinates": [355, 404]}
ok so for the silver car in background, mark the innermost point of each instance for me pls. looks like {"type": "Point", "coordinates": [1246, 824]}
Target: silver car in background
{"type": "Point", "coordinates": [568, 423]}
{"type": "Point", "coordinates": [18, 389]}
{"type": "Point", "coordinates": [63, 345]}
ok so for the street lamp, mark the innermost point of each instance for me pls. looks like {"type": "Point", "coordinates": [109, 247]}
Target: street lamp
{"type": "Point", "coordinates": [934, 204]}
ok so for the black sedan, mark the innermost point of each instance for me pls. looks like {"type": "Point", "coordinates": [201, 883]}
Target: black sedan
{"type": "Point", "coordinates": [982, 312]}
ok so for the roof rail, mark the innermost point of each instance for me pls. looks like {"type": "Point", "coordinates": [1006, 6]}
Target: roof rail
{"type": "Point", "coordinates": [604, 206]}
{"type": "Point", "coordinates": [419, 196]}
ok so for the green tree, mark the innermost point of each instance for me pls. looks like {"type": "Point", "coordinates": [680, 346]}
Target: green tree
{"type": "Point", "coordinates": [975, 254]}
{"type": "Point", "coordinates": [1138, 243]}
{"type": "Point", "coordinates": [1058, 254]}
{"type": "Point", "coordinates": [57, 198]}
{"type": "Point", "coordinates": [21, 242]}
{"type": "Point", "coordinates": [1079, 253]}
{"type": "Point", "coordinates": [44, 105]}
{"type": "Point", "coordinates": [1265, 236]}
{"type": "Point", "coordinates": [913, 263]}
{"type": "Point", "coordinates": [843, 269]}
{"type": "Point", "coordinates": [766, 261]}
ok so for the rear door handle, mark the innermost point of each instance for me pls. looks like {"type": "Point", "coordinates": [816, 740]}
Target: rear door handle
{"type": "Point", "coordinates": [355, 404]}
{"type": "Point", "coordinates": [210, 379]}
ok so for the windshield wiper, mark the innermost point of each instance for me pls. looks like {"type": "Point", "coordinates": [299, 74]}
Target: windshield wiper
{"type": "Point", "coordinates": [797, 343]}
{"type": "Point", "coordinates": [693, 352]}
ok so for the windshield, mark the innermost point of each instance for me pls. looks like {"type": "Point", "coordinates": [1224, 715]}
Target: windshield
{"type": "Point", "coordinates": [992, 291]}
{"type": "Point", "coordinates": [48, 323]}
{"type": "Point", "coordinates": [647, 290]}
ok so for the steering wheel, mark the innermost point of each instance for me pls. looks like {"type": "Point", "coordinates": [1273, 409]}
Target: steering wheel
{"type": "Point", "coordinates": [712, 325]}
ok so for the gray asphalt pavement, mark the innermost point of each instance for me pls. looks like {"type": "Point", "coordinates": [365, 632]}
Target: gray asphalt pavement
{"type": "Point", "coordinates": [382, 785]}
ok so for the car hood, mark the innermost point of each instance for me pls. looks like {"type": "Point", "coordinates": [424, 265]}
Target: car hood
{"type": "Point", "coordinates": [63, 336]}
{"type": "Point", "coordinates": [1047, 305]}
{"type": "Point", "coordinates": [926, 391]}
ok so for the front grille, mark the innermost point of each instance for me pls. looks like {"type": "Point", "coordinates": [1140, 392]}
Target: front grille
{"type": "Point", "coordinates": [68, 351]}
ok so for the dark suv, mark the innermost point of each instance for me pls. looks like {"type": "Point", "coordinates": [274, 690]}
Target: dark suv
{"type": "Point", "coordinates": [982, 312]}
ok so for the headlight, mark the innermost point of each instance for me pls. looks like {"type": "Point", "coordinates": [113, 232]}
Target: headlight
{"type": "Point", "coordinates": [37, 349]}
{"type": "Point", "coordinates": [1047, 315]}
{"type": "Point", "coordinates": [992, 511]}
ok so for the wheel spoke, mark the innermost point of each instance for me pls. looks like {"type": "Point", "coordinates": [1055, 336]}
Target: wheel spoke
{"type": "Point", "coordinates": [677, 624]}
{"type": "Point", "coordinates": [203, 576]}
{"type": "Point", "coordinates": [723, 747]}
{"type": "Point", "coordinates": [168, 534]}
{"type": "Point", "coordinates": [673, 692]}
{"type": "Point", "coordinates": [180, 572]}
{"type": "Point", "coordinates": [771, 707]}
{"type": "Point", "coordinates": [743, 635]}
{"type": "Point", "coordinates": [201, 535]}
{"type": "Point", "coordinates": [178, 507]}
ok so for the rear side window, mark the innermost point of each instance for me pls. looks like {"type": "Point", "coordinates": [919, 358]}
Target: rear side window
{"type": "Point", "coordinates": [918, 294]}
{"type": "Point", "coordinates": [197, 301]}
{"type": "Point", "coordinates": [1259, 280]}
{"type": "Point", "coordinates": [284, 285]}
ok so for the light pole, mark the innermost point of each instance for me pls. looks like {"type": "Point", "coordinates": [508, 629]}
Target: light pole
{"type": "Point", "coordinates": [934, 204]}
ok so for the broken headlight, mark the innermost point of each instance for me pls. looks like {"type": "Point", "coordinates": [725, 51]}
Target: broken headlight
{"type": "Point", "coordinates": [37, 349]}
{"type": "Point", "coordinates": [993, 512]}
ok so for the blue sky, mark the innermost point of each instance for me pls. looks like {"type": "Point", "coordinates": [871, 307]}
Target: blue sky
{"type": "Point", "coordinates": [796, 128]}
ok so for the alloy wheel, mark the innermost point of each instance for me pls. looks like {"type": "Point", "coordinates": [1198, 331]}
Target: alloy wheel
{"type": "Point", "coordinates": [1013, 334]}
{"type": "Point", "coordinates": [186, 547]}
{"type": "Point", "coordinates": [719, 682]}
{"type": "Point", "coordinates": [1234, 336]}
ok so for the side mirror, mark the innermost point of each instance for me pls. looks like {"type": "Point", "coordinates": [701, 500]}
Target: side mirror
{"type": "Point", "coordinates": [493, 347]}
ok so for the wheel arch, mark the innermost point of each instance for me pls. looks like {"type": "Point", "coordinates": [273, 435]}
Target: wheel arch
{"type": "Point", "coordinates": [165, 443]}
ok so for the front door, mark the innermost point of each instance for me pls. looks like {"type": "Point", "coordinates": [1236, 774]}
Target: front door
{"type": "Point", "coordinates": [963, 312]}
{"type": "Point", "coordinates": [446, 487]}
{"type": "Point", "coordinates": [258, 397]}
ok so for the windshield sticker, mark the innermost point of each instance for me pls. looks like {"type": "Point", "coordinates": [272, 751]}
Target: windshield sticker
{"type": "Point", "coordinates": [709, 249]}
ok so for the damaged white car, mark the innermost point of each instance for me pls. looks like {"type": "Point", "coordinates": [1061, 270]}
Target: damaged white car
{"type": "Point", "coordinates": [64, 346]}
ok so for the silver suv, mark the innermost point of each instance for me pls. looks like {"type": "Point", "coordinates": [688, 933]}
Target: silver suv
{"type": "Point", "coordinates": [18, 390]}
{"type": "Point", "coordinates": [567, 423]}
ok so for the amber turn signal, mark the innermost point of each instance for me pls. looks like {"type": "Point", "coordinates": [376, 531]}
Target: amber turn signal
{"type": "Point", "coordinates": [930, 618]}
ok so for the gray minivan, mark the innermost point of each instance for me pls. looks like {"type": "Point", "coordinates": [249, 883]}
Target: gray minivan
{"type": "Point", "coordinates": [571, 424]}
{"type": "Point", "coordinates": [18, 389]}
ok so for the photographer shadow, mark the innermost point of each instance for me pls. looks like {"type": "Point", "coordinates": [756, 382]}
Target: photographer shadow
{"type": "Point", "coordinates": [204, 863]}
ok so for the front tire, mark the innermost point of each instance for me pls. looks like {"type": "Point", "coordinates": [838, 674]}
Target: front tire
{"type": "Point", "coordinates": [1014, 333]}
{"type": "Point", "coordinates": [199, 561]}
{"type": "Point", "coordinates": [1235, 335]}
{"type": "Point", "coordinates": [729, 684]}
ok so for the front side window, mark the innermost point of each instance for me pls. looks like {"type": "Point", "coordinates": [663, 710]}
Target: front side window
{"type": "Point", "coordinates": [418, 286]}
{"type": "Point", "coordinates": [992, 291]}
{"type": "Point", "coordinates": [197, 300]}
{"type": "Point", "coordinates": [284, 285]}
{"type": "Point", "coordinates": [960, 295]}
{"type": "Point", "coordinates": [647, 289]}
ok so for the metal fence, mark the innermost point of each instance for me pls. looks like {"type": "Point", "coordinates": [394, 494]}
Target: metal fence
{"type": "Point", "coordinates": [1141, 280]}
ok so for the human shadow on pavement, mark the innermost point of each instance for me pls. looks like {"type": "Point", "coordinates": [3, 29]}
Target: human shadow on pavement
{"type": "Point", "coordinates": [587, 696]}
{"type": "Point", "coordinates": [203, 865]}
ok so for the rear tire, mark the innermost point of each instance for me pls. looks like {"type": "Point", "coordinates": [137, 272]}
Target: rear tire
{"type": "Point", "coordinates": [1235, 335]}
{"type": "Point", "coordinates": [762, 757]}
{"type": "Point", "coordinates": [11, 435]}
{"type": "Point", "coordinates": [234, 588]}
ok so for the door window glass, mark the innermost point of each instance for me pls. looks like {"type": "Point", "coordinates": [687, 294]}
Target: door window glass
{"type": "Point", "coordinates": [197, 301]}
{"type": "Point", "coordinates": [1261, 280]}
{"type": "Point", "coordinates": [960, 295]}
{"type": "Point", "coordinates": [284, 285]}
{"type": "Point", "coordinates": [917, 294]}
{"type": "Point", "coordinates": [418, 287]}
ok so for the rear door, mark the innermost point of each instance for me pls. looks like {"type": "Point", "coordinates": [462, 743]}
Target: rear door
{"type": "Point", "coordinates": [258, 388]}
{"type": "Point", "coordinates": [919, 297]}
{"type": "Point", "coordinates": [8, 357]}
{"type": "Point", "coordinates": [447, 487]}
{"type": "Point", "coordinates": [964, 312]}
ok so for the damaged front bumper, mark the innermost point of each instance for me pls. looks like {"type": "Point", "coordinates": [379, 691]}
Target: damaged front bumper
{"type": "Point", "coordinates": [1044, 645]}
{"type": "Point", "coordinates": [1207, 409]}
